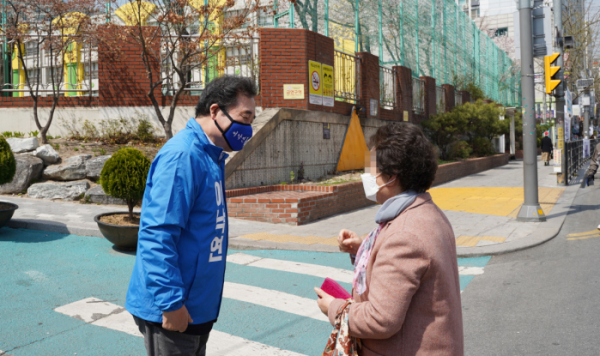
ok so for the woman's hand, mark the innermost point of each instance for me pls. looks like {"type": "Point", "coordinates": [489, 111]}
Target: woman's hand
{"type": "Point", "coordinates": [349, 241]}
{"type": "Point", "coordinates": [324, 300]}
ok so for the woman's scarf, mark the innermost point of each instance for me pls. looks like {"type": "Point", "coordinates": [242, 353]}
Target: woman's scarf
{"type": "Point", "coordinates": [340, 343]}
{"type": "Point", "coordinates": [359, 282]}
{"type": "Point", "coordinates": [388, 211]}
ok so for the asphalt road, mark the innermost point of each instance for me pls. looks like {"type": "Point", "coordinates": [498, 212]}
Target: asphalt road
{"type": "Point", "coordinates": [545, 300]}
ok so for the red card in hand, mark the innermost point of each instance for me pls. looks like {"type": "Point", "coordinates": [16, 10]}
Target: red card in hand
{"type": "Point", "coordinates": [332, 288]}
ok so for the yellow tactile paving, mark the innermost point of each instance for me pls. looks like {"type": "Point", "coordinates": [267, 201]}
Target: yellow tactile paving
{"type": "Point", "coordinates": [472, 241]}
{"type": "Point", "coordinates": [497, 201]}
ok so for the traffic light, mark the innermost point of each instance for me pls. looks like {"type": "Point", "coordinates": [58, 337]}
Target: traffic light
{"type": "Point", "coordinates": [550, 72]}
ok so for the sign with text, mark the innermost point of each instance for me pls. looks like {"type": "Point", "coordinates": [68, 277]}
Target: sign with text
{"type": "Point", "coordinates": [561, 138]}
{"type": "Point", "coordinates": [315, 91]}
{"type": "Point", "coordinates": [405, 115]}
{"type": "Point", "coordinates": [328, 94]}
{"type": "Point", "coordinates": [293, 91]}
{"type": "Point", "coordinates": [326, 131]}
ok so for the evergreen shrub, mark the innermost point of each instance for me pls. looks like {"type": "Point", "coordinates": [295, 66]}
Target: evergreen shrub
{"type": "Point", "coordinates": [124, 176]}
{"type": "Point", "coordinates": [8, 164]}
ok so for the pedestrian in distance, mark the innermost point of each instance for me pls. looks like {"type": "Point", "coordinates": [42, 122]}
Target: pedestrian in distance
{"type": "Point", "coordinates": [177, 282]}
{"type": "Point", "coordinates": [406, 293]}
{"type": "Point", "coordinates": [546, 149]}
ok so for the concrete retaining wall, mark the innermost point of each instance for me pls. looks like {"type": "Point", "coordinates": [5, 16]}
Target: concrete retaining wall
{"type": "Point", "coordinates": [285, 138]}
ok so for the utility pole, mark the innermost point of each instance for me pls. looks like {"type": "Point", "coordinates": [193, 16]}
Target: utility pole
{"type": "Point", "coordinates": [531, 209]}
{"type": "Point", "coordinates": [559, 94]}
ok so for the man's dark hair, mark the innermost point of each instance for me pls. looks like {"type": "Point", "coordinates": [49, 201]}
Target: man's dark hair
{"type": "Point", "coordinates": [404, 151]}
{"type": "Point", "coordinates": [224, 92]}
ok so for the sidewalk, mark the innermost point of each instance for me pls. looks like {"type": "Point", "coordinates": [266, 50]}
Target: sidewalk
{"type": "Point", "coordinates": [481, 207]}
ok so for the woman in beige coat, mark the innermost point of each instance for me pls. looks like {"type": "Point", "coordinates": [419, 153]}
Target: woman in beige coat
{"type": "Point", "coordinates": [406, 290]}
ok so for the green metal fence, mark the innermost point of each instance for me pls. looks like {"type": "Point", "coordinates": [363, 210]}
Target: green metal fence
{"type": "Point", "coordinates": [432, 37]}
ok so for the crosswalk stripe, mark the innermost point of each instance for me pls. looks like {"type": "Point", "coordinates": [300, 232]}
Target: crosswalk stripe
{"type": "Point", "coordinates": [100, 313]}
{"type": "Point", "coordinates": [269, 298]}
{"type": "Point", "coordinates": [470, 271]}
{"type": "Point", "coordinates": [337, 274]}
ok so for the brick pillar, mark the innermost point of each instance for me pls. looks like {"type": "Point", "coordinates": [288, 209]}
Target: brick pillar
{"type": "Point", "coordinates": [450, 98]}
{"type": "Point", "coordinates": [466, 96]}
{"type": "Point", "coordinates": [283, 60]}
{"type": "Point", "coordinates": [369, 81]}
{"type": "Point", "coordinates": [404, 93]}
{"type": "Point", "coordinates": [429, 96]}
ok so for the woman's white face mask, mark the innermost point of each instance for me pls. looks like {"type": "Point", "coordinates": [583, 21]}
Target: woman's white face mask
{"type": "Point", "coordinates": [370, 185]}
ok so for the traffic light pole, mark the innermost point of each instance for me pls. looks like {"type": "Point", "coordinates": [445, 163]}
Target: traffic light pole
{"type": "Point", "coordinates": [531, 210]}
{"type": "Point", "coordinates": [559, 94]}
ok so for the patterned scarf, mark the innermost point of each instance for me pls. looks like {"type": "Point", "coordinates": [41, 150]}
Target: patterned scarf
{"type": "Point", "coordinates": [340, 343]}
{"type": "Point", "coordinates": [359, 282]}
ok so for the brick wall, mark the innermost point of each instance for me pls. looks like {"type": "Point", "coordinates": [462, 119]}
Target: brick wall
{"type": "Point", "coordinates": [295, 204]}
{"type": "Point", "coordinates": [404, 93]}
{"type": "Point", "coordinates": [430, 107]}
{"type": "Point", "coordinates": [455, 170]}
{"type": "Point", "coordinates": [449, 97]}
{"type": "Point", "coordinates": [284, 56]}
{"type": "Point", "coordinates": [369, 81]}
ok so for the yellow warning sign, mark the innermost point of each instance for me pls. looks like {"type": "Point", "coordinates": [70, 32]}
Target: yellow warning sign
{"type": "Point", "coordinates": [328, 94]}
{"type": "Point", "coordinates": [315, 83]}
{"type": "Point", "coordinates": [354, 148]}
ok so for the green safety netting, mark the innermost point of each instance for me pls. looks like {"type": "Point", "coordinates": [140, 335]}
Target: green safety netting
{"type": "Point", "coordinates": [432, 37]}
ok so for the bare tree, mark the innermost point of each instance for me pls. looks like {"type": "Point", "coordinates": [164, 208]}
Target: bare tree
{"type": "Point", "coordinates": [179, 37]}
{"type": "Point", "coordinates": [582, 21]}
{"type": "Point", "coordinates": [54, 27]}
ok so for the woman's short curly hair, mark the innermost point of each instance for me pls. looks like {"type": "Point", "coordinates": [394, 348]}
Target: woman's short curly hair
{"type": "Point", "coordinates": [403, 150]}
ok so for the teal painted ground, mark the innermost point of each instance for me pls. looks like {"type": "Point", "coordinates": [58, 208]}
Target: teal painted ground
{"type": "Point", "coordinates": [40, 271]}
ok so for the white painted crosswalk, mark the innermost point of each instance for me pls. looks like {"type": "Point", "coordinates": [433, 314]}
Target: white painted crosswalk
{"type": "Point", "coordinates": [100, 313]}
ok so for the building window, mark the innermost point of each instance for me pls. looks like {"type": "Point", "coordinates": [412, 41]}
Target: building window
{"type": "Point", "coordinates": [31, 49]}
{"type": "Point", "coordinates": [238, 55]}
{"type": "Point", "coordinates": [235, 15]}
{"type": "Point", "coordinates": [265, 17]}
{"type": "Point", "coordinates": [34, 75]}
{"type": "Point", "coordinates": [501, 32]}
{"type": "Point", "coordinates": [53, 72]}
{"type": "Point", "coordinates": [475, 12]}
{"type": "Point", "coordinates": [94, 71]}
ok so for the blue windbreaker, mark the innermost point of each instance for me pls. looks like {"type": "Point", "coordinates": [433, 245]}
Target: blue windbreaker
{"type": "Point", "coordinates": [183, 237]}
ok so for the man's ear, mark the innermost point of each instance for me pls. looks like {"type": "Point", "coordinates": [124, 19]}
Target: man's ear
{"type": "Point", "coordinates": [214, 109]}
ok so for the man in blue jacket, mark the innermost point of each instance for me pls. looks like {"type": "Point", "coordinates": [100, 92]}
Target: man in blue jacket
{"type": "Point", "coordinates": [177, 282]}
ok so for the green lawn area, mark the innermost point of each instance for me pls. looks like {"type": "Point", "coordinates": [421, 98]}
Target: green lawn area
{"type": "Point", "coordinates": [440, 162]}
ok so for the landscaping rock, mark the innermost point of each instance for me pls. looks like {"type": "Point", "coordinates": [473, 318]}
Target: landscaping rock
{"type": "Point", "coordinates": [29, 169]}
{"type": "Point", "coordinates": [72, 169]}
{"type": "Point", "coordinates": [18, 145]}
{"type": "Point", "coordinates": [96, 195]}
{"type": "Point", "coordinates": [93, 167]}
{"type": "Point", "coordinates": [67, 191]}
{"type": "Point", "coordinates": [47, 154]}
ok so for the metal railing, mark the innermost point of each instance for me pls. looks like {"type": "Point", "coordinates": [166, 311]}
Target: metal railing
{"type": "Point", "coordinates": [347, 72]}
{"type": "Point", "coordinates": [418, 91]}
{"type": "Point", "coordinates": [387, 88]}
{"type": "Point", "coordinates": [574, 157]}
{"type": "Point", "coordinates": [440, 99]}
{"type": "Point", "coordinates": [457, 98]}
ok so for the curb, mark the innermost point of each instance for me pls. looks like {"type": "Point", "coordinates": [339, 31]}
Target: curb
{"type": "Point", "coordinates": [53, 227]}
{"type": "Point", "coordinates": [543, 234]}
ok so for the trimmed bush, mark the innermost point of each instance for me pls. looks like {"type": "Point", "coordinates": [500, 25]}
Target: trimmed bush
{"type": "Point", "coordinates": [124, 176]}
{"type": "Point", "coordinates": [8, 165]}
